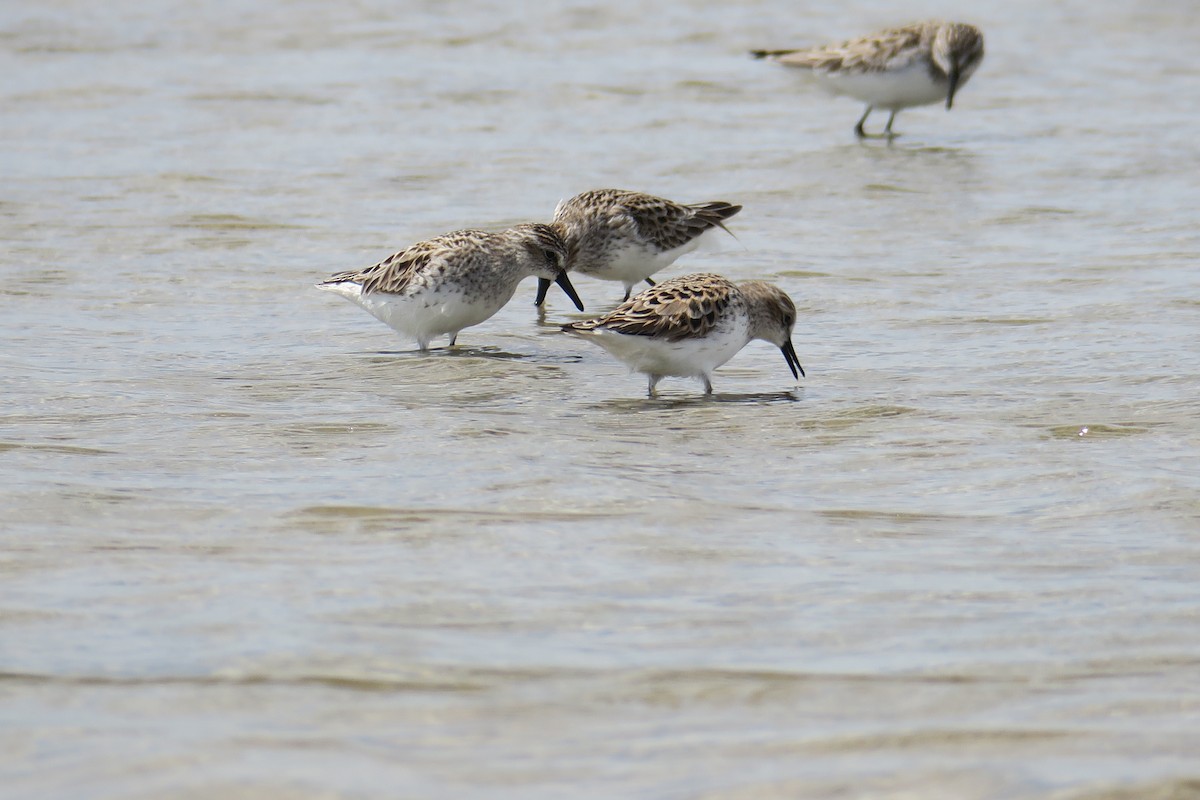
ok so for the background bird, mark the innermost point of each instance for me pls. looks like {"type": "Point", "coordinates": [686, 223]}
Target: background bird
{"type": "Point", "coordinates": [894, 69]}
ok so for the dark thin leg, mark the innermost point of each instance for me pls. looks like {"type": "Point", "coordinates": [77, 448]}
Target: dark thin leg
{"type": "Point", "coordinates": [453, 339]}
{"type": "Point", "coordinates": [654, 379]}
{"type": "Point", "coordinates": [858, 129]}
{"type": "Point", "coordinates": [652, 283]}
{"type": "Point", "coordinates": [627, 291]}
{"type": "Point", "coordinates": [887, 131]}
{"type": "Point", "coordinates": [707, 384]}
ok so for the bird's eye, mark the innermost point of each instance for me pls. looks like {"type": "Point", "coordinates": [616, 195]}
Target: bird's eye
{"type": "Point", "coordinates": [553, 259]}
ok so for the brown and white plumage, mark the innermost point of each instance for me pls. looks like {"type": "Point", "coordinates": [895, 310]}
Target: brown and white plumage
{"type": "Point", "coordinates": [689, 326]}
{"type": "Point", "coordinates": [619, 235]}
{"type": "Point", "coordinates": [894, 69]}
{"type": "Point", "coordinates": [455, 280]}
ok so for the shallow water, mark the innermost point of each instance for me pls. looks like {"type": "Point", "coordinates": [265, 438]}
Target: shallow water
{"type": "Point", "coordinates": [256, 547]}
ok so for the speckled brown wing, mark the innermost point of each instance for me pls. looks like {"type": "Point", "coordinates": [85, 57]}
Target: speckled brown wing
{"type": "Point", "coordinates": [669, 225]}
{"type": "Point", "coordinates": [661, 222]}
{"type": "Point", "coordinates": [676, 309]}
{"type": "Point", "coordinates": [394, 274]}
{"type": "Point", "coordinates": [875, 53]}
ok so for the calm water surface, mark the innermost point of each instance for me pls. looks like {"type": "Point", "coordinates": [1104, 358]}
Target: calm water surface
{"type": "Point", "coordinates": [253, 546]}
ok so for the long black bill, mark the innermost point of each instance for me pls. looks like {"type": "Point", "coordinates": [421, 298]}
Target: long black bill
{"type": "Point", "coordinates": [565, 284]}
{"type": "Point", "coordinates": [793, 361]}
{"type": "Point", "coordinates": [543, 287]}
{"type": "Point", "coordinates": [953, 76]}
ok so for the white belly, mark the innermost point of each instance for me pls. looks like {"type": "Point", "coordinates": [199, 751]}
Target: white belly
{"type": "Point", "coordinates": [425, 314]}
{"type": "Point", "coordinates": [688, 358]}
{"type": "Point", "coordinates": [892, 91]}
{"type": "Point", "coordinates": [634, 263]}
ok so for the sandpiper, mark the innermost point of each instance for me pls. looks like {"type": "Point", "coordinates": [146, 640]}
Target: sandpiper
{"type": "Point", "coordinates": [455, 280]}
{"type": "Point", "coordinates": [689, 326]}
{"type": "Point", "coordinates": [618, 235]}
{"type": "Point", "coordinates": [898, 68]}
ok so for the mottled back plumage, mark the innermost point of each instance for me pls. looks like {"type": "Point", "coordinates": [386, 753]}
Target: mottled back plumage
{"type": "Point", "coordinates": [887, 49]}
{"type": "Point", "coordinates": [672, 310]}
{"type": "Point", "coordinates": [627, 236]}
{"type": "Point", "coordinates": [663, 222]}
{"type": "Point", "coordinates": [457, 249]}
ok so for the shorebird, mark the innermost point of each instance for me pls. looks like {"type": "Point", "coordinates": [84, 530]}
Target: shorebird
{"type": "Point", "coordinates": [455, 280]}
{"type": "Point", "coordinates": [898, 68]}
{"type": "Point", "coordinates": [618, 235]}
{"type": "Point", "coordinates": [689, 326]}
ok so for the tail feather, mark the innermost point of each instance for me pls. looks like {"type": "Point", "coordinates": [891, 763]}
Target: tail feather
{"type": "Point", "coordinates": [339, 284]}
{"type": "Point", "coordinates": [819, 59]}
{"type": "Point", "coordinates": [340, 277]}
{"type": "Point", "coordinates": [582, 327]}
{"type": "Point", "coordinates": [714, 213]}
{"type": "Point", "coordinates": [772, 53]}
